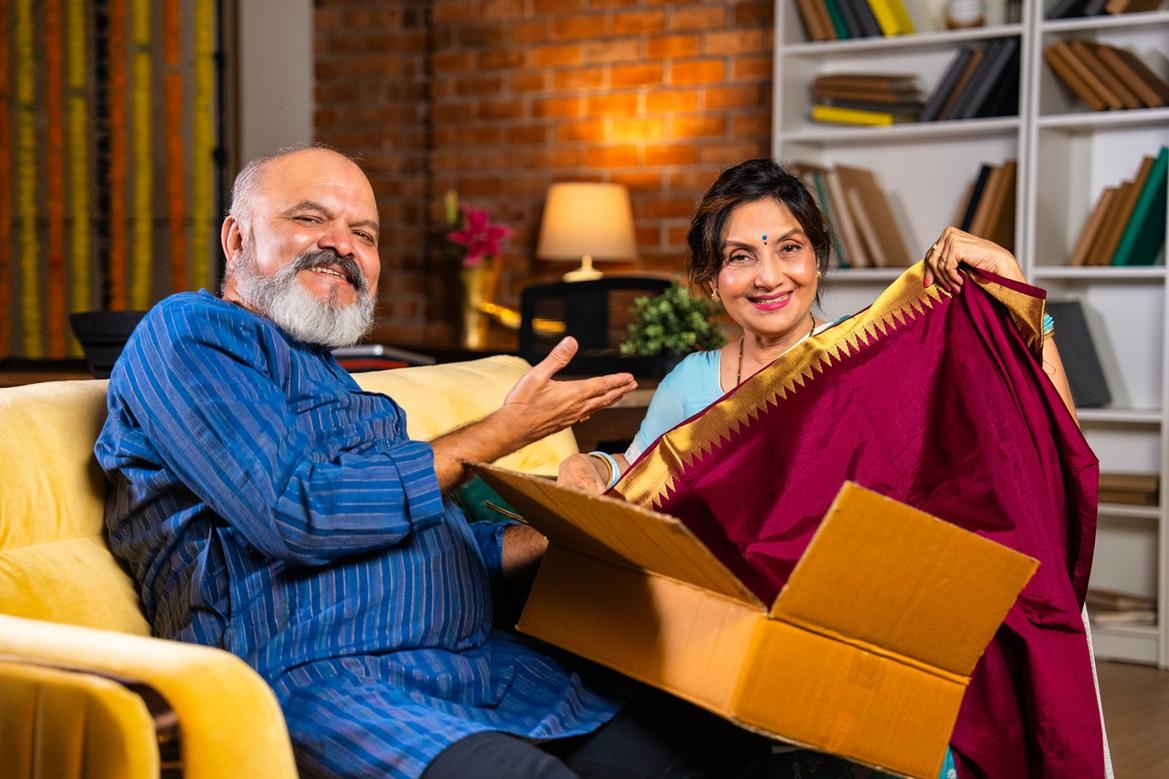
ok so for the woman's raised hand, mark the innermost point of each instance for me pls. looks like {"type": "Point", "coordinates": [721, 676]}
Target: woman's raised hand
{"type": "Point", "coordinates": [955, 246]}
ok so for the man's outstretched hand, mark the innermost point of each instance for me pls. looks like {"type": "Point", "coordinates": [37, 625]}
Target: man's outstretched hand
{"type": "Point", "coordinates": [540, 405]}
{"type": "Point", "coordinates": [537, 406]}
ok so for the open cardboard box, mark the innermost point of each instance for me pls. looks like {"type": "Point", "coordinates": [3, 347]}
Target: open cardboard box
{"type": "Point", "coordinates": [865, 653]}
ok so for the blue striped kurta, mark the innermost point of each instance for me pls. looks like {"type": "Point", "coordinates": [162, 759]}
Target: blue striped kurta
{"type": "Point", "coordinates": [267, 505]}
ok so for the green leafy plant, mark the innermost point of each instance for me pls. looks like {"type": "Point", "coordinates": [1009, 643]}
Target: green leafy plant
{"type": "Point", "coordinates": [673, 322]}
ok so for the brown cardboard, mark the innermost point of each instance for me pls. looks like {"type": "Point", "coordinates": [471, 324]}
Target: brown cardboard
{"type": "Point", "coordinates": [866, 652]}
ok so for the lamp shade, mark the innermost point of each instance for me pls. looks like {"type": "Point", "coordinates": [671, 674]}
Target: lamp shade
{"type": "Point", "coordinates": [587, 220]}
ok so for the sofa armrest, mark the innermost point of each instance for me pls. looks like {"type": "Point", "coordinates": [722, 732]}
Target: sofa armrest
{"type": "Point", "coordinates": [229, 722]}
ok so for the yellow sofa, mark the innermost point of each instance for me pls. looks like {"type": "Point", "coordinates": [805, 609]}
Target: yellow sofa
{"type": "Point", "coordinates": [84, 689]}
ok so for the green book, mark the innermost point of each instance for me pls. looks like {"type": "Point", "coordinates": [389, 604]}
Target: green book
{"type": "Point", "coordinates": [837, 20]}
{"type": "Point", "coordinates": [829, 209]}
{"type": "Point", "coordinates": [1144, 235]}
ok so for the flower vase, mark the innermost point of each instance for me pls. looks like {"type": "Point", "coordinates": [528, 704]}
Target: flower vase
{"type": "Point", "coordinates": [476, 281]}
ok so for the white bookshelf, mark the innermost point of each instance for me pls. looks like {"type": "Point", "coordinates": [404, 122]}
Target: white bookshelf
{"type": "Point", "coordinates": [1066, 156]}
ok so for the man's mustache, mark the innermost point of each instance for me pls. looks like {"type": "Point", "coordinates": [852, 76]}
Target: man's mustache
{"type": "Point", "coordinates": [321, 258]}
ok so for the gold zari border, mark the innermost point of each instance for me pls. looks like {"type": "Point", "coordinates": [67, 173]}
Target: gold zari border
{"type": "Point", "coordinates": [651, 478]}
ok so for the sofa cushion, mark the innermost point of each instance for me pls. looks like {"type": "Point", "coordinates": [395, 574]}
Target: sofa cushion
{"type": "Point", "coordinates": [440, 398]}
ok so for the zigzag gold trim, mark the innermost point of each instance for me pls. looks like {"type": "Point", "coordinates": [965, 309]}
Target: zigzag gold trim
{"type": "Point", "coordinates": [651, 479]}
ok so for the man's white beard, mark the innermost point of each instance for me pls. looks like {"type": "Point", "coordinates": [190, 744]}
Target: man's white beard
{"type": "Point", "coordinates": [297, 311]}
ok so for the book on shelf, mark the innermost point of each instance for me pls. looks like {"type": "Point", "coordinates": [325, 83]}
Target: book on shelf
{"type": "Point", "coordinates": [1000, 219]}
{"type": "Point", "coordinates": [1113, 607]}
{"type": "Point", "coordinates": [998, 73]}
{"type": "Point", "coordinates": [846, 225]}
{"type": "Point", "coordinates": [1092, 227]}
{"type": "Point", "coordinates": [972, 66]}
{"type": "Point", "coordinates": [1126, 200]}
{"type": "Point", "coordinates": [814, 17]}
{"type": "Point", "coordinates": [1078, 352]}
{"type": "Point", "coordinates": [1066, 9]}
{"type": "Point", "coordinates": [1145, 74]}
{"type": "Point", "coordinates": [837, 20]}
{"type": "Point", "coordinates": [1143, 238]}
{"type": "Point", "coordinates": [974, 195]}
{"type": "Point", "coordinates": [1085, 73]}
{"type": "Point", "coordinates": [1059, 60]}
{"type": "Point", "coordinates": [1115, 87]}
{"type": "Point", "coordinates": [892, 17]}
{"type": "Point", "coordinates": [1140, 487]}
{"type": "Point", "coordinates": [946, 84]}
{"type": "Point", "coordinates": [863, 13]}
{"type": "Point", "coordinates": [816, 178]}
{"type": "Point", "coordinates": [1131, 6]}
{"type": "Point", "coordinates": [837, 114]}
{"type": "Point", "coordinates": [873, 216]}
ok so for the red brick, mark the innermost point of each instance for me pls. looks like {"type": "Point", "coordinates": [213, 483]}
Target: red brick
{"type": "Point", "coordinates": [626, 50]}
{"type": "Point", "coordinates": [578, 27]}
{"type": "Point", "coordinates": [501, 108]}
{"type": "Point", "coordinates": [635, 129]}
{"type": "Point", "coordinates": [479, 85]}
{"type": "Point", "coordinates": [639, 181]}
{"type": "Point", "coordinates": [639, 22]}
{"type": "Point", "coordinates": [635, 75]}
{"type": "Point", "coordinates": [568, 54]}
{"type": "Point", "coordinates": [752, 68]}
{"type": "Point", "coordinates": [733, 152]}
{"type": "Point", "coordinates": [758, 124]}
{"type": "Point", "coordinates": [676, 234]}
{"type": "Point", "coordinates": [471, 135]}
{"type": "Point", "coordinates": [698, 126]}
{"type": "Point", "coordinates": [707, 17]}
{"type": "Point", "coordinates": [558, 106]}
{"type": "Point", "coordinates": [738, 42]}
{"type": "Point", "coordinates": [667, 207]}
{"type": "Point", "coordinates": [529, 31]}
{"type": "Point", "coordinates": [612, 157]}
{"type": "Point", "coordinates": [624, 104]}
{"type": "Point", "coordinates": [555, 6]}
{"type": "Point", "coordinates": [579, 78]}
{"type": "Point", "coordinates": [554, 158]}
{"type": "Point", "coordinates": [449, 61]}
{"type": "Point", "coordinates": [454, 11]}
{"type": "Point", "coordinates": [749, 13]}
{"type": "Point", "coordinates": [527, 134]}
{"type": "Point", "coordinates": [592, 130]}
{"type": "Point", "coordinates": [666, 46]}
{"type": "Point", "coordinates": [747, 96]}
{"type": "Point", "coordinates": [527, 81]}
{"type": "Point", "coordinates": [703, 71]}
{"type": "Point", "coordinates": [647, 235]}
{"type": "Point", "coordinates": [674, 154]}
{"type": "Point", "coordinates": [500, 58]}
{"type": "Point", "coordinates": [674, 100]}
{"type": "Point", "coordinates": [501, 9]}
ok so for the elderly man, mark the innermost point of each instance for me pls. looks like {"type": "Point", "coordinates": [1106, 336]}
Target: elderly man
{"type": "Point", "coordinates": [267, 506]}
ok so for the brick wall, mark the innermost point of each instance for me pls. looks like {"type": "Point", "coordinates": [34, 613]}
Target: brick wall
{"type": "Point", "coordinates": [657, 94]}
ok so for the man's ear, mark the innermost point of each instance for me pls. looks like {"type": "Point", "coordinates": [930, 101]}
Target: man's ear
{"type": "Point", "coordinates": [231, 237]}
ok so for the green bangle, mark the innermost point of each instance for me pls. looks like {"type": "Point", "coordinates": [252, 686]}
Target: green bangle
{"type": "Point", "coordinates": [614, 468]}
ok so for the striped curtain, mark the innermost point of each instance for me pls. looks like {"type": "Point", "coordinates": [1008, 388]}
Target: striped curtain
{"type": "Point", "coordinates": [108, 161]}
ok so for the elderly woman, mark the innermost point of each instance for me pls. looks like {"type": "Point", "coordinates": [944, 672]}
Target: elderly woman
{"type": "Point", "coordinates": [759, 244]}
{"type": "Point", "coordinates": [944, 397]}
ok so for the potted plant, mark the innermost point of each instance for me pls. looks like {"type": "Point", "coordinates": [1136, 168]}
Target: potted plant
{"type": "Point", "coordinates": [670, 325]}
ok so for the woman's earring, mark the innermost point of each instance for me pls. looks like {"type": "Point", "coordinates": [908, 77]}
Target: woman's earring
{"type": "Point", "coordinates": [714, 294]}
{"type": "Point", "coordinates": [819, 275]}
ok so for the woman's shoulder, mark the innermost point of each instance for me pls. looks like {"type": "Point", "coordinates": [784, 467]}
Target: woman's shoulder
{"type": "Point", "coordinates": [694, 366]}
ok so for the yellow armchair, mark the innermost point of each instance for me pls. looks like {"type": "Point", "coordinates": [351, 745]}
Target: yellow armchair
{"type": "Point", "coordinates": [84, 689]}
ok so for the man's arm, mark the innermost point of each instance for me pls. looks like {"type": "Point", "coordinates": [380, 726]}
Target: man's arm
{"type": "Point", "coordinates": [536, 407]}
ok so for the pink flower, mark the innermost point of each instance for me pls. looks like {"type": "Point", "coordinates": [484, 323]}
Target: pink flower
{"type": "Point", "coordinates": [481, 238]}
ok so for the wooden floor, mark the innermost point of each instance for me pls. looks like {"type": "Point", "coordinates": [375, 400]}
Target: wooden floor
{"type": "Point", "coordinates": [1136, 714]}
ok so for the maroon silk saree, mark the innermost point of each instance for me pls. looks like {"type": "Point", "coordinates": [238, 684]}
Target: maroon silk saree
{"type": "Point", "coordinates": [939, 401]}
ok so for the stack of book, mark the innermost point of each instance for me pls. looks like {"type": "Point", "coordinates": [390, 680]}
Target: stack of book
{"type": "Point", "coordinates": [1131, 489]}
{"type": "Point", "coordinates": [1109, 607]}
{"type": "Point", "coordinates": [830, 20]}
{"type": "Point", "coordinates": [1127, 223]}
{"type": "Point", "coordinates": [863, 230]}
{"type": "Point", "coordinates": [865, 98]}
{"type": "Point", "coordinates": [1066, 9]}
{"type": "Point", "coordinates": [981, 80]}
{"type": "Point", "coordinates": [1105, 77]}
{"type": "Point", "coordinates": [989, 207]}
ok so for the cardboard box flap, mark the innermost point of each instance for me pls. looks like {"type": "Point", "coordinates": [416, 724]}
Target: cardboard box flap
{"type": "Point", "coordinates": [883, 574]}
{"type": "Point", "coordinates": [615, 530]}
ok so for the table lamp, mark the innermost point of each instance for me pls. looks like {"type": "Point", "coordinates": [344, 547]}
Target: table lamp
{"type": "Point", "coordinates": [586, 221]}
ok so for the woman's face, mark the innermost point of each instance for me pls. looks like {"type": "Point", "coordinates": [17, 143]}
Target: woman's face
{"type": "Point", "coordinates": [767, 279]}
